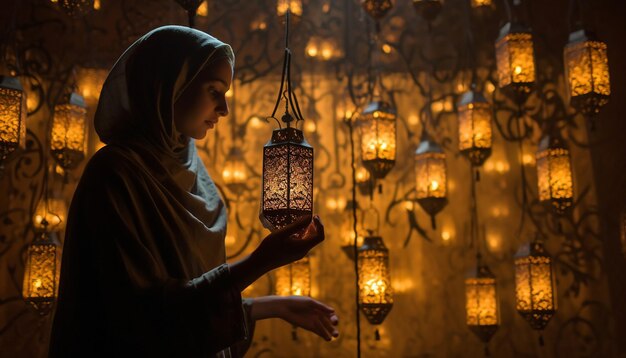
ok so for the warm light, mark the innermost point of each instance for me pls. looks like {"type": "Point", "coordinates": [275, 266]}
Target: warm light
{"type": "Point", "coordinates": [229, 93]}
{"type": "Point", "coordinates": [386, 48]}
{"type": "Point", "coordinates": [76, 7]}
{"type": "Point", "coordinates": [69, 134]}
{"type": "Point", "coordinates": [413, 120]}
{"type": "Point", "coordinates": [310, 126]}
{"type": "Point", "coordinates": [431, 177]}
{"type": "Point", "coordinates": [481, 303]}
{"type": "Point", "coordinates": [203, 9]}
{"type": "Point", "coordinates": [528, 159]}
{"type": "Point", "coordinates": [90, 81]}
{"type": "Point", "coordinates": [377, 9]}
{"type": "Point", "coordinates": [336, 203]}
{"type": "Point", "coordinates": [376, 293]}
{"type": "Point", "coordinates": [515, 60]}
{"type": "Point", "coordinates": [41, 273]}
{"type": "Point", "coordinates": [256, 122]}
{"type": "Point", "coordinates": [96, 5]}
{"type": "Point", "coordinates": [294, 279]}
{"type": "Point", "coordinates": [12, 116]}
{"type": "Point", "coordinates": [53, 211]}
{"type": "Point", "coordinates": [587, 72]}
{"type": "Point", "coordinates": [377, 126]}
{"type": "Point", "coordinates": [234, 173]}
{"type": "Point", "coordinates": [482, 3]}
{"type": "Point", "coordinates": [475, 127]}
{"type": "Point", "coordinates": [294, 6]}
{"type": "Point", "coordinates": [554, 174]}
{"type": "Point", "coordinates": [230, 240]}
{"type": "Point", "coordinates": [287, 178]}
{"type": "Point", "coordinates": [535, 292]}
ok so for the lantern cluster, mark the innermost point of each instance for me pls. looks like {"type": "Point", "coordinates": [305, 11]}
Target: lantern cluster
{"type": "Point", "coordinates": [12, 116]}
{"type": "Point", "coordinates": [377, 126]}
{"type": "Point", "coordinates": [515, 60]}
{"type": "Point", "coordinates": [554, 173]}
{"type": "Point", "coordinates": [535, 291]}
{"type": "Point", "coordinates": [375, 291]}
{"type": "Point", "coordinates": [294, 279]}
{"type": "Point", "coordinates": [475, 136]}
{"type": "Point", "coordinates": [587, 72]}
{"type": "Point", "coordinates": [68, 136]}
{"type": "Point", "coordinates": [431, 177]}
{"type": "Point", "coordinates": [481, 303]}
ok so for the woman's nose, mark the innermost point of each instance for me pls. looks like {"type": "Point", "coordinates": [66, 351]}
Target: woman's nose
{"type": "Point", "coordinates": [222, 109]}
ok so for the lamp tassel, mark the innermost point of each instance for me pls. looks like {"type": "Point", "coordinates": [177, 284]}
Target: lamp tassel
{"type": "Point", "coordinates": [294, 333]}
{"type": "Point", "coordinates": [477, 175]}
{"type": "Point", "coordinates": [541, 342]}
{"type": "Point", "coordinates": [433, 222]}
{"type": "Point", "coordinates": [487, 353]}
{"type": "Point", "coordinates": [377, 334]}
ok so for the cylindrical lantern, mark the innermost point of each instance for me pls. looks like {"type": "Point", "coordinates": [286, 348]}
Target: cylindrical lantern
{"type": "Point", "coordinates": [554, 174]}
{"type": "Point", "coordinates": [50, 215]}
{"type": "Point", "coordinates": [41, 273]}
{"type": "Point", "coordinates": [234, 173]}
{"type": "Point", "coordinates": [428, 9]}
{"type": "Point", "coordinates": [12, 116]}
{"type": "Point", "coordinates": [68, 133]}
{"type": "Point", "coordinates": [431, 185]}
{"type": "Point", "coordinates": [515, 60]}
{"type": "Point", "coordinates": [287, 178]}
{"type": "Point", "coordinates": [475, 135]}
{"type": "Point", "coordinates": [294, 7]}
{"type": "Point", "coordinates": [375, 291]}
{"type": "Point", "coordinates": [377, 126]}
{"type": "Point", "coordinates": [587, 72]}
{"type": "Point", "coordinates": [294, 279]}
{"type": "Point", "coordinates": [481, 303]}
{"type": "Point", "coordinates": [377, 9]}
{"type": "Point", "coordinates": [535, 285]}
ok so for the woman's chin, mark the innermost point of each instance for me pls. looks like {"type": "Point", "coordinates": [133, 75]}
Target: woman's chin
{"type": "Point", "coordinates": [200, 135]}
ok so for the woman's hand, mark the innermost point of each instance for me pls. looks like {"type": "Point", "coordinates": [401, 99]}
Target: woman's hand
{"type": "Point", "coordinates": [300, 311]}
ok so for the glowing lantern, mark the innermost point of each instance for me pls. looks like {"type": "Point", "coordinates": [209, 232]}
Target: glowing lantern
{"type": "Point", "coordinates": [587, 72]}
{"type": "Point", "coordinates": [535, 290]}
{"type": "Point", "coordinates": [294, 279]}
{"type": "Point", "coordinates": [431, 177]}
{"type": "Point", "coordinates": [377, 126]}
{"type": "Point", "coordinates": [294, 7]}
{"type": "Point", "coordinates": [515, 60]}
{"type": "Point", "coordinates": [475, 127]}
{"type": "Point", "coordinates": [375, 291]}
{"type": "Point", "coordinates": [554, 174]}
{"type": "Point", "coordinates": [12, 116]}
{"type": "Point", "coordinates": [481, 3]}
{"type": "Point", "coordinates": [377, 9]}
{"type": "Point", "coordinates": [428, 9]}
{"type": "Point", "coordinates": [68, 134]}
{"type": "Point", "coordinates": [41, 273]}
{"type": "Point", "coordinates": [481, 303]}
{"type": "Point", "coordinates": [234, 173]}
{"type": "Point", "coordinates": [52, 212]}
{"type": "Point", "coordinates": [76, 7]}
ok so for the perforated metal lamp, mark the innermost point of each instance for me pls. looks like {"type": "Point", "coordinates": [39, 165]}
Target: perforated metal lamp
{"type": "Point", "coordinates": [41, 273]}
{"type": "Point", "coordinates": [69, 131]}
{"type": "Point", "coordinates": [515, 60]}
{"type": "Point", "coordinates": [587, 72]}
{"type": "Point", "coordinates": [481, 302]}
{"type": "Point", "coordinates": [12, 116]}
{"type": "Point", "coordinates": [431, 177]}
{"type": "Point", "coordinates": [475, 132]}
{"type": "Point", "coordinates": [377, 125]}
{"type": "Point", "coordinates": [554, 173]}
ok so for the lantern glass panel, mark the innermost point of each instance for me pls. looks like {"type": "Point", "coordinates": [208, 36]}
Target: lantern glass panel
{"type": "Point", "coordinates": [554, 176]}
{"type": "Point", "coordinates": [41, 274]}
{"type": "Point", "coordinates": [481, 303]}
{"type": "Point", "coordinates": [294, 279]}
{"type": "Point", "coordinates": [431, 175]}
{"type": "Point", "coordinates": [68, 134]}
{"type": "Point", "coordinates": [475, 133]}
{"type": "Point", "coordinates": [12, 114]}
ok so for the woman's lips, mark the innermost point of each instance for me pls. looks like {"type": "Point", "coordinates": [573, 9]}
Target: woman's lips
{"type": "Point", "coordinates": [211, 124]}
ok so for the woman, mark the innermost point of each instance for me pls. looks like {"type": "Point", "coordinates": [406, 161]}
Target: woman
{"type": "Point", "coordinates": [143, 270]}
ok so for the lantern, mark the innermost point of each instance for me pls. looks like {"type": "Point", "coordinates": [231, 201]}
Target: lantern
{"type": "Point", "coordinates": [41, 273]}
{"type": "Point", "coordinates": [428, 9]}
{"type": "Point", "coordinates": [431, 177]}
{"type": "Point", "coordinates": [294, 7]}
{"type": "Point", "coordinates": [535, 290]}
{"type": "Point", "coordinates": [377, 9]}
{"type": "Point", "coordinates": [481, 303]}
{"type": "Point", "coordinates": [51, 212]}
{"type": "Point", "coordinates": [377, 126]}
{"type": "Point", "coordinates": [12, 116]}
{"type": "Point", "coordinates": [475, 127]}
{"type": "Point", "coordinates": [234, 173]}
{"type": "Point", "coordinates": [554, 173]}
{"type": "Point", "coordinates": [587, 72]}
{"type": "Point", "coordinates": [287, 178]}
{"type": "Point", "coordinates": [76, 7]}
{"type": "Point", "coordinates": [515, 60]}
{"type": "Point", "coordinates": [375, 291]}
{"type": "Point", "coordinates": [68, 134]}
{"type": "Point", "coordinates": [294, 279]}
{"type": "Point", "coordinates": [481, 3]}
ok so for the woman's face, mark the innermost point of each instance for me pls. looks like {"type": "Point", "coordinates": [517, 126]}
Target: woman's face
{"type": "Point", "coordinates": [203, 102]}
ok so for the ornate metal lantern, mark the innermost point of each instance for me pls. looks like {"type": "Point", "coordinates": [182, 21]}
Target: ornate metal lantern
{"type": "Point", "coordinates": [515, 60]}
{"type": "Point", "coordinates": [41, 273]}
{"type": "Point", "coordinates": [475, 134]}
{"type": "Point", "coordinates": [12, 116]}
{"type": "Point", "coordinates": [587, 72]}
{"type": "Point", "coordinates": [428, 9]}
{"type": "Point", "coordinates": [481, 303]}
{"type": "Point", "coordinates": [554, 173]}
{"type": "Point", "coordinates": [294, 279]}
{"type": "Point", "coordinates": [76, 7]}
{"type": "Point", "coordinates": [377, 126]}
{"type": "Point", "coordinates": [294, 7]}
{"type": "Point", "coordinates": [431, 177]}
{"type": "Point", "coordinates": [375, 291]}
{"type": "Point", "coordinates": [68, 133]}
{"type": "Point", "coordinates": [535, 289]}
{"type": "Point", "coordinates": [234, 173]}
{"type": "Point", "coordinates": [377, 9]}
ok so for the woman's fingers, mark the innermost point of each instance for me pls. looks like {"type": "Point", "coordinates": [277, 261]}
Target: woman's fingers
{"type": "Point", "coordinates": [323, 307]}
{"type": "Point", "coordinates": [320, 330]}
{"type": "Point", "coordinates": [329, 326]}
